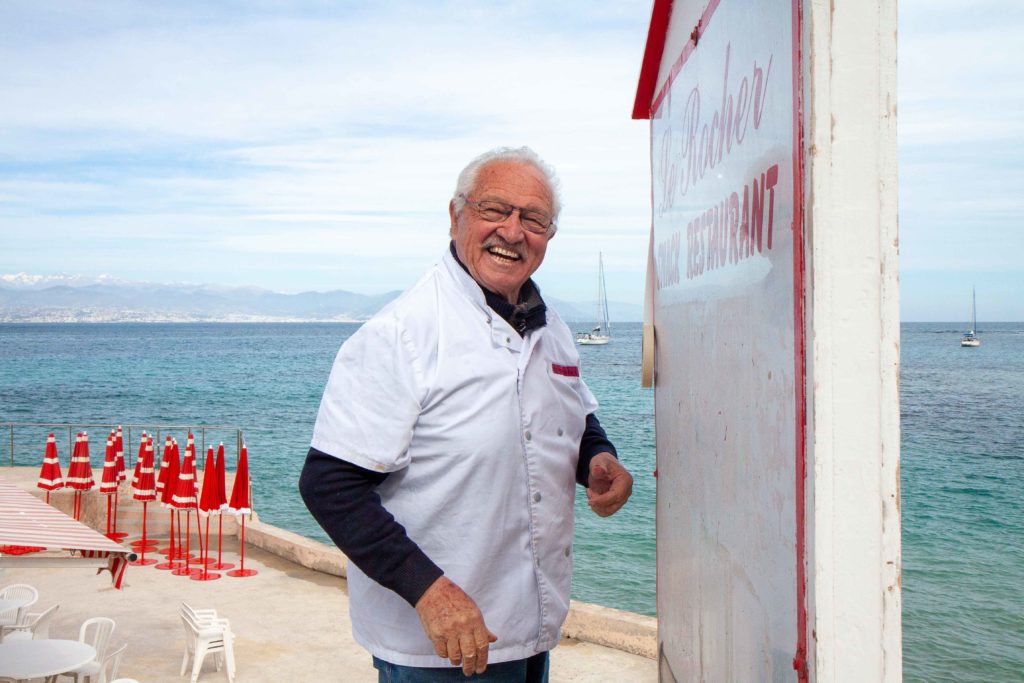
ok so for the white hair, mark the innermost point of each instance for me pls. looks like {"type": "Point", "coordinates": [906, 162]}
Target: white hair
{"type": "Point", "coordinates": [523, 155]}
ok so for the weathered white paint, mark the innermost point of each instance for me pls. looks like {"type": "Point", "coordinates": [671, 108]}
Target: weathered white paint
{"type": "Point", "coordinates": [729, 370]}
{"type": "Point", "coordinates": [853, 523]}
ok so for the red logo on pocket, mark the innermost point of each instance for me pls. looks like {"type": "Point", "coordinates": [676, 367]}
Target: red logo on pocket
{"type": "Point", "coordinates": [565, 370]}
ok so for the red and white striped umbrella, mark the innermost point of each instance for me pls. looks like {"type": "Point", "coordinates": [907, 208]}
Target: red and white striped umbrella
{"type": "Point", "coordinates": [165, 462]}
{"type": "Point", "coordinates": [208, 503]}
{"type": "Point", "coordinates": [143, 483]}
{"type": "Point", "coordinates": [144, 491]}
{"type": "Point", "coordinates": [222, 498]}
{"type": "Point", "coordinates": [80, 472]}
{"type": "Point", "coordinates": [108, 482]}
{"type": "Point", "coordinates": [184, 499]}
{"type": "Point", "coordinates": [241, 505]}
{"type": "Point", "coordinates": [165, 485]}
{"type": "Point", "coordinates": [50, 478]}
{"type": "Point", "coordinates": [184, 496]}
{"type": "Point", "coordinates": [122, 474]}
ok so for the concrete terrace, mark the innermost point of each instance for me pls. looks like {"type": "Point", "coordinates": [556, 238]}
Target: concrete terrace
{"type": "Point", "coordinates": [291, 620]}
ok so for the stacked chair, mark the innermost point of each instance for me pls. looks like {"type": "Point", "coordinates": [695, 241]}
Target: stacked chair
{"type": "Point", "coordinates": [35, 626]}
{"type": "Point", "coordinates": [205, 633]}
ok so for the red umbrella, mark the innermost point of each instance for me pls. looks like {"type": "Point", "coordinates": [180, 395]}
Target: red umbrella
{"type": "Point", "coordinates": [144, 490]}
{"type": "Point", "coordinates": [80, 472]}
{"type": "Point", "coordinates": [166, 484]}
{"type": "Point", "coordinates": [184, 498]}
{"type": "Point", "coordinates": [108, 482]}
{"type": "Point", "coordinates": [241, 505]}
{"type": "Point", "coordinates": [222, 499]}
{"type": "Point", "coordinates": [208, 503]}
{"type": "Point", "coordinates": [122, 475]}
{"type": "Point", "coordinates": [50, 478]}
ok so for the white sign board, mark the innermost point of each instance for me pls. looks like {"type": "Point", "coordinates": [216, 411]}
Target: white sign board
{"type": "Point", "coordinates": [730, 390]}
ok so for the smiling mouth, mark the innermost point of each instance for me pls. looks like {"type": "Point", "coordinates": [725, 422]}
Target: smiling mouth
{"type": "Point", "coordinates": [503, 255]}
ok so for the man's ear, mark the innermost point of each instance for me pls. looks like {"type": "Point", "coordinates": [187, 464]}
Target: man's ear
{"type": "Point", "coordinates": [454, 218]}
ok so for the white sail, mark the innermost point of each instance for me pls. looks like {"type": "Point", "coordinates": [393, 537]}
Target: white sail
{"type": "Point", "coordinates": [602, 332]}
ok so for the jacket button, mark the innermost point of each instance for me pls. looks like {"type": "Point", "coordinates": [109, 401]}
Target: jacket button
{"type": "Point", "coordinates": [561, 431]}
{"type": "Point", "coordinates": [536, 497]}
{"type": "Point", "coordinates": [508, 340]}
{"type": "Point", "coordinates": [567, 551]}
{"type": "Point", "coordinates": [528, 435]}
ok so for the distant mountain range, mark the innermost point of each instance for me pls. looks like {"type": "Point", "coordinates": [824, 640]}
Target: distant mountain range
{"type": "Point", "coordinates": [74, 298]}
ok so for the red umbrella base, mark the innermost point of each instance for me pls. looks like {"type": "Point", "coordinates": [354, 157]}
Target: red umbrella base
{"type": "Point", "coordinates": [186, 571]}
{"type": "Point", "coordinates": [167, 565]}
{"type": "Point", "coordinates": [204, 575]}
{"type": "Point", "coordinates": [116, 535]}
{"type": "Point", "coordinates": [221, 565]}
{"type": "Point", "coordinates": [179, 555]}
{"type": "Point", "coordinates": [144, 562]}
{"type": "Point", "coordinates": [202, 560]}
{"type": "Point", "coordinates": [138, 543]}
{"type": "Point", "coordinates": [242, 572]}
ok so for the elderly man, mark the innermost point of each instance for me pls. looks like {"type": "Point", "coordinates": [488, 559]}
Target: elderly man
{"type": "Point", "coordinates": [450, 436]}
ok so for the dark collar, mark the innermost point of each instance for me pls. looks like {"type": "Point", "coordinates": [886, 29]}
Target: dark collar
{"type": "Point", "coordinates": [528, 314]}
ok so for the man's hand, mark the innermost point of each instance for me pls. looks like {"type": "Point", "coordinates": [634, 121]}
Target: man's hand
{"type": "Point", "coordinates": [455, 626]}
{"type": "Point", "coordinates": [610, 485]}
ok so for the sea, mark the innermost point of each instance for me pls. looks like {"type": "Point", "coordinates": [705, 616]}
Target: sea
{"type": "Point", "coordinates": [962, 471]}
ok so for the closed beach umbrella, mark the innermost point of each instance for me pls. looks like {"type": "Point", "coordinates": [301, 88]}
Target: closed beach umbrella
{"type": "Point", "coordinates": [165, 459]}
{"type": "Point", "coordinates": [184, 498]}
{"type": "Point", "coordinates": [122, 475]}
{"type": "Point", "coordinates": [80, 472]}
{"type": "Point", "coordinates": [108, 482]}
{"type": "Point", "coordinates": [138, 463]}
{"type": "Point", "coordinates": [241, 505]}
{"type": "Point", "coordinates": [50, 478]}
{"type": "Point", "coordinates": [222, 504]}
{"type": "Point", "coordinates": [208, 503]}
{"type": "Point", "coordinates": [166, 483]}
{"type": "Point", "coordinates": [144, 491]}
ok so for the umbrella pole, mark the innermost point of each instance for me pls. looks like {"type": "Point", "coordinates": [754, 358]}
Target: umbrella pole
{"type": "Point", "coordinates": [108, 516]}
{"type": "Point", "coordinates": [220, 534]}
{"type": "Point", "coordinates": [47, 497]}
{"type": "Point", "coordinates": [115, 512]}
{"type": "Point", "coordinates": [242, 571]}
{"type": "Point", "coordinates": [169, 564]}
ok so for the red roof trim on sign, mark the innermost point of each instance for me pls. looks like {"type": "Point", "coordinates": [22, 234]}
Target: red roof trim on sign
{"type": "Point", "coordinates": [656, 33]}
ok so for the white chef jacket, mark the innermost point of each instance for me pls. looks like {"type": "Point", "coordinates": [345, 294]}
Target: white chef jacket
{"type": "Point", "coordinates": [480, 429]}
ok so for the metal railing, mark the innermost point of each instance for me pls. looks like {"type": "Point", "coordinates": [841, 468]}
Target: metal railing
{"type": "Point", "coordinates": [72, 427]}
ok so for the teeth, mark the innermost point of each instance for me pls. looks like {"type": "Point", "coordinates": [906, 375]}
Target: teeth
{"type": "Point", "coordinates": [504, 252]}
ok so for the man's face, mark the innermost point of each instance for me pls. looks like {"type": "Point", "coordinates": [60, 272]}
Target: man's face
{"type": "Point", "coordinates": [502, 256]}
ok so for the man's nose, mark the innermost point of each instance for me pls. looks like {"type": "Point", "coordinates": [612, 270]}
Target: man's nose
{"type": "Point", "coordinates": [511, 229]}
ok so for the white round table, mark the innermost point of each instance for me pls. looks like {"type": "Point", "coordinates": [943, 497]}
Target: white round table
{"type": "Point", "coordinates": [23, 659]}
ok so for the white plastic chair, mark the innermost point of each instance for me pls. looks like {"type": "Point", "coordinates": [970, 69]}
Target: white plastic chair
{"type": "Point", "coordinates": [96, 632]}
{"type": "Point", "coordinates": [36, 627]}
{"type": "Point", "coordinates": [111, 663]}
{"type": "Point", "coordinates": [17, 591]}
{"type": "Point", "coordinates": [204, 637]}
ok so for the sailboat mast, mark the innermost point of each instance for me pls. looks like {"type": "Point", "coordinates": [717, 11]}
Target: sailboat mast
{"type": "Point", "coordinates": [974, 311]}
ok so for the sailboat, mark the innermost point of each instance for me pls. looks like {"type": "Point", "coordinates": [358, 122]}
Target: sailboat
{"type": "Point", "coordinates": [602, 332]}
{"type": "Point", "coordinates": [970, 338]}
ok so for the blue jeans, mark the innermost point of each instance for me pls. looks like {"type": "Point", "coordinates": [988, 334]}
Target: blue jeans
{"type": "Point", "coordinates": [531, 670]}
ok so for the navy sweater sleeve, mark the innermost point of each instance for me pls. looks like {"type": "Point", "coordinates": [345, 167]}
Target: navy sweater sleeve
{"type": "Point", "coordinates": [594, 441]}
{"type": "Point", "coordinates": [343, 499]}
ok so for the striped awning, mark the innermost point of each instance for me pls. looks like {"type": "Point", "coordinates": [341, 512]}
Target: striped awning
{"type": "Point", "coordinates": [27, 521]}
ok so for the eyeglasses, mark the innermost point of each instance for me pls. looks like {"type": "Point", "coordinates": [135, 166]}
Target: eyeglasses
{"type": "Point", "coordinates": [495, 212]}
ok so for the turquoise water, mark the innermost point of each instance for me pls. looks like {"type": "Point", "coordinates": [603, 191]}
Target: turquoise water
{"type": "Point", "coordinates": [962, 458]}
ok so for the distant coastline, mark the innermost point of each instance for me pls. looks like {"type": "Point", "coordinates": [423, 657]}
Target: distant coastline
{"type": "Point", "coordinates": [28, 298]}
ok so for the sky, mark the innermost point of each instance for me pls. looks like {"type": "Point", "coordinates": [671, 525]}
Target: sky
{"type": "Point", "coordinates": [314, 145]}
